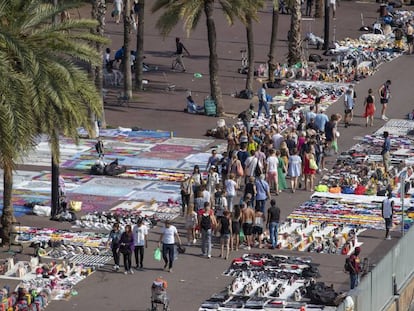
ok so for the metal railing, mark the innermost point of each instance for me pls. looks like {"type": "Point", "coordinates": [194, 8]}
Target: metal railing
{"type": "Point", "coordinates": [377, 289]}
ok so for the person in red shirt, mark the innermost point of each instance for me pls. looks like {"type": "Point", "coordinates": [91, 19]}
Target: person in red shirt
{"type": "Point", "coordinates": [355, 268]}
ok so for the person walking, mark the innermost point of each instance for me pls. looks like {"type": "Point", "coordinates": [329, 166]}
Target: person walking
{"type": "Point", "coordinates": [235, 228]}
{"type": "Point", "coordinates": [190, 224]}
{"type": "Point", "coordinates": [369, 109]}
{"type": "Point", "coordinates": [180, 48]}
{"type": "Point", "coordinates": [225, 228]}
{"type": "Point", "coordinates": [387, 211]}
{"type": "Point", "coordinates": [186, 193]}
{"type": "Point", "coordinates": [113, 241]}
{"type": "Point", "coordinates": [230, 189]}
{"type": "Point", "coordinates": [140, 232]}
{"type": "Point", "coordinates": [384, 94]}
{"type": "Point", "coordinates": [263, 192]}
{"type": "Point", "coordinates": [116, 13]}
{"type": "Point", "coordinates": [294, 169]}
{"type": "Point", "coordinates": [207, 222]}
{"type": "Point", "coordinates": [386, 147]}
{"type": "Point", "coordinates": [349, 106]}
{"type": "Point", "coordinates": [354, 267]}
{"type": "Point", "coordinates": [263, 101]}
{"type": "Point", "coordinates": [409, 33]}
{"type": "Point", "coordinates": [247, 224]}
{"type": "Point", "coordinates": [272, 164]}
{"type": "Point", "coordinates": [273, 220]}
{"type": "Point", "coordinates": [126, 247]}
{"type": "Point", "coordinates": [168, 235]}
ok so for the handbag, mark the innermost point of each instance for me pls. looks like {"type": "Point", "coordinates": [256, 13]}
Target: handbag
{"type": "Point", "coordinates": [157, 254]}
{"type": "Point", "coordinates": [124, 248]}
{"type": "Point", "coordinates": [312, 164]}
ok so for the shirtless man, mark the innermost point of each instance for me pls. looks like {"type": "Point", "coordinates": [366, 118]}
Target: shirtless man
{"type": "Point", "coordinates": [247, 218]}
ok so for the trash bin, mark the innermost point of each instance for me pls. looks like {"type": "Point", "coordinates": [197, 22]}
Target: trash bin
{"type": "Point", "coordinates": [383, 10]}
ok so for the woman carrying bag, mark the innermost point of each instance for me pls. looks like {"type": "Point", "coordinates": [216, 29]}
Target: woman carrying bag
{"type": "Point", "coordinates": [126, 246]}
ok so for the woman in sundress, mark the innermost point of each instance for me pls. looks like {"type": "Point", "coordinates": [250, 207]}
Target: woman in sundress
{"type": "Point", "coordinates": [294, 169]}
{"type": "Point", "coordinates": [281, 172]}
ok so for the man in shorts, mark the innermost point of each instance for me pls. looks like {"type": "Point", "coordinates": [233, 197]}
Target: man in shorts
{"type": "Point", "coordinates": [247, 224]}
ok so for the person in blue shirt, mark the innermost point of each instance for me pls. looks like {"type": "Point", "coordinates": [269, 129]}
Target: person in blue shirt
{"type": "Point", "coordinates": [386, 147]}
{"type": "Point", "coordinates": [263, 101]}
{"type": "Point", "coordinates": [320, 120]}
{"type": "Point", "coordinates": [349, 106]}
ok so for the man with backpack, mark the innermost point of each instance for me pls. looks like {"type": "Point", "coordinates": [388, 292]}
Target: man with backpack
{"type": "Point", "coordinates": [353, 267]}
{"type": "Point", "coordinates": [207, 222]}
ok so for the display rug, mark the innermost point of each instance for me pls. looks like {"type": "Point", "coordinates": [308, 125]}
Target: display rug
{"type": "Point", "coordinates": [273, 282]}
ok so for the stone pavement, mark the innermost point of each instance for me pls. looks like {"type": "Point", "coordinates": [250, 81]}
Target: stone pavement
{"type": "Point", "coordinates": [196, 278]}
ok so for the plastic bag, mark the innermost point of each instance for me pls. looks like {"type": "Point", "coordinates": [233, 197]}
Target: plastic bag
{"type": "Point", "coordinates": [157, 254]}
{"type": "Point", "coordinates": [242, 236]}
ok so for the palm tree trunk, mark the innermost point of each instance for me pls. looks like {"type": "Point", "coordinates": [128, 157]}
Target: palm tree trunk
{"type": "Point", "coordinates": [98, 13]}
{"type": "Point", "coordinates": [54, 146]}
{"type": "Point", "coordinates": [127, 50]}
{"type": "Point", "coordinates": [250, 53]}
{"type": "Point", "coordinates": [213, 58]}
{"type": "Point", "coordinates": [295, 41]}
{"type": "Point", "coordinates": [7, 217]}
{"type": "Point", "coordinates": [273, 38]}
{"type": "Point", "coordinates": [318, 8]}
{"type": "Point", "coordinates": [55, 188]}
{"type": "Point", "coordinates": [139, 74]}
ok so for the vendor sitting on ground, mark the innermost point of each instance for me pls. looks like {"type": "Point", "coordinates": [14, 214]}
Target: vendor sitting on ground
{"type": "Point", "coordinates": [192, 107]}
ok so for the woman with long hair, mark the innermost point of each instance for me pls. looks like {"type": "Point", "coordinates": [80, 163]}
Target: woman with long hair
{"type": "Point", "coordinates": [190, 224]}
{"type": "Point", "coordinates": [235, 228]}
{"type": "Point", "coordinates": [126, 246]}
{"type": "Point", "coordinates": [114, 237]}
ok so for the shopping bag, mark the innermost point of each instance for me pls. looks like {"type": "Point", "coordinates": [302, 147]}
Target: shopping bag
{"type": "Point", "coordinates": [157, 254]}
{"type": "Point", "coordinates": [242, 236]}
{"type": "Point", "coordinates": [312, 164]}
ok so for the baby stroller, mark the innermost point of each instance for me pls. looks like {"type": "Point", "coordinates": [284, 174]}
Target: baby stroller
{"type": "Point", "coordinates": [159, 295]}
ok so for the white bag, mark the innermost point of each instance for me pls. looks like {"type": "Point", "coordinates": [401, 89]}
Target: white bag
{"type": "Point", "coordinates": [40, 210]}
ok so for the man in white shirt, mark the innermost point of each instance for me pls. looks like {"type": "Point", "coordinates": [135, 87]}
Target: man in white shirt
{"type": "Point", "coordinates": [250, 166]}
{"type": "Point", "coordinates": [277, 138]}
{"type": "Point", "coordinates": [387, 211]}
{"type": "Point", "coordinates": [140, 232]}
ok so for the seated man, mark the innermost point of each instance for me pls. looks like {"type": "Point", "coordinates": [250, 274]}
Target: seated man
{"type": "Point", "coordinates": [192, 107]}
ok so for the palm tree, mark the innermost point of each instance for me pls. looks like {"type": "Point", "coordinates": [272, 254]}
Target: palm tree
{"type": "Point", "coordinates": [319, 4]}
{"type": "Point", "coordinates": [190, 12]}
{"type": "Point", "coordinates": [98, 13]}
{"type": "Point", "coordinates": [48, 57]}
{"type": "Point", "coordinates": [273, 38]}
{"type": "Point", "coordinates": [248, 14]}
{"type": "Point", "coordinates": [295, 54]}
{"type": "Point", "coordinates": [139, 75]}
{"type": "Point", "coordinates": [127, 55]}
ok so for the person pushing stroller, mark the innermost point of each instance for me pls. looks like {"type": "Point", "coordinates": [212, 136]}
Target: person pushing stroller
{"type": "Point", "coordinates": [159, 294]}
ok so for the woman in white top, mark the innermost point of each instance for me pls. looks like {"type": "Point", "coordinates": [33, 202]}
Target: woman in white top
{"type": "Point", "coordinates": [190, 224]}
{"type": "Point", "coordinates": [116, 13]}
{"type": "Point", "coordinates": [271, 167]}
{"type": "Point", "coordinates": [231, 187]}
{"type": "Point", "coordinates": [167, 237]}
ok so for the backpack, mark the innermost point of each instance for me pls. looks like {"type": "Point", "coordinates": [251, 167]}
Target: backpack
{"type": "Point", "coordinates": [205, 223]}
{"type": "Point", "coordinates": [348, 265]}
{"type": "Point", "coordinates": [218, 202]}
